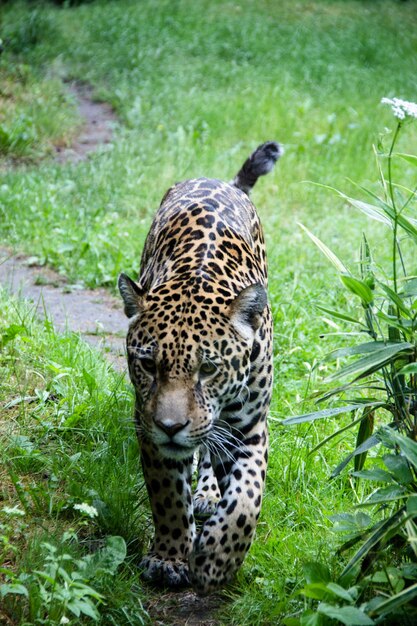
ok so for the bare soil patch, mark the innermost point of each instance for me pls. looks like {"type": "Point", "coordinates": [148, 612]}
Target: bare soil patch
{"type": "Point", "coordinates": [95, 314]}
{"type": "Point", "coordinates": [185, 608]}
{"type": "Point", "coordinates": [99, 121]}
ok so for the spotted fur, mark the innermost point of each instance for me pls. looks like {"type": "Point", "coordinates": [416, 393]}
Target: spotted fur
{"type": "Point", "coordinates": [199, 350]}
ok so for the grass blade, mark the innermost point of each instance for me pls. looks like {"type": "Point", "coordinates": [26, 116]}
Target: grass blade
{"type": "Point", "coordinates": [315, 415]}
{"type": "Point", "coordinates": [326, 251]}
{"type": "Point", "coordinates": [363, 348]}
{"type": "Point", "coordinates": [338, 315]}
{"type": "Point", "coordinates": [364, 447]}
{"type": "Point", "coordinates": [395, 602]}
{"type": "Point", "coordinates": [410, 158]}
{"type": "Point", "coordinates": [368, 364]}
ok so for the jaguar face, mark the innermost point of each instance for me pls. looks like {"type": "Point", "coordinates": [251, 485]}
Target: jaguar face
{"type": "Point", "coordinates": [188, 366]}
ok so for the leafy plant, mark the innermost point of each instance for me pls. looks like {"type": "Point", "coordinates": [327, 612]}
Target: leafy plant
{"type": "Point", "coordinates": [63, 587]}
{"type": "Point", "coordinates": [379, 582]}
{"type": "Point", "coordinates": [383, 380]}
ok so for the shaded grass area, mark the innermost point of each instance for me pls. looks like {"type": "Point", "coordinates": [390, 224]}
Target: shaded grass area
{"type": "Point", "coordinates": [197, 86]}
{"type": "Point", "coordinates": [36, 112]}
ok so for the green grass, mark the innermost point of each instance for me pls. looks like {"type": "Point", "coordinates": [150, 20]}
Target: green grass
{"type": "Point", "coordinates": [197, 85]}
{"type": "Point", "coordinates": [65, 439]}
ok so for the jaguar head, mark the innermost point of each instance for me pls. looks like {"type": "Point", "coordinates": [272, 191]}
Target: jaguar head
{"type": "Point", "coordinates": [189, 360]}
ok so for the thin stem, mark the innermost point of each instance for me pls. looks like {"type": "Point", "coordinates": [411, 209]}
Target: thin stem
{"type": "Point", "coordinates": [394, 206]}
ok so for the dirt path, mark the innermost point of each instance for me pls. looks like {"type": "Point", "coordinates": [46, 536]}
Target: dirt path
{"type": "Point", "coordinates": [97, 129]}
{"type": "Point", "coordinates": [99, 318]}
{"type": "Point", "coordinates": [96, 315]}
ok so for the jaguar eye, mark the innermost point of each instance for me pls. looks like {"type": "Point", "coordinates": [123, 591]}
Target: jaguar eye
{"type": "Point", "coordinates": [148, 365]}
{"type": "Point", "coordinates": [208, 368]}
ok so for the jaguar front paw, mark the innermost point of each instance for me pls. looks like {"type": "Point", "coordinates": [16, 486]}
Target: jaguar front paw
{"type": "Point", "coordinates": [204, 507]}
{"type": "Point", "coordinates": [163, 572]}
{"type": "Point", "coordinates": [210, 569]}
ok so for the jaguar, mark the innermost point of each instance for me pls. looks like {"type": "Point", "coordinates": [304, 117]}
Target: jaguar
{"type": "Point", "coordinates": [199, 351]}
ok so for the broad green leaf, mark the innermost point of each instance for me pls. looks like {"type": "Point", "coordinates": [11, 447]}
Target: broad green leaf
{"type": "Point", "coordinates": [393, 603]}
{"type": "Point", "coordinates": [327, 252]}
{"type": "Point", "coordinates": [412, 505]}
{"type": "Point", "coordinates": [370, 210]}
{"type": "Point", "coordinates": [47, 577]}
{"type": "Point", "coordinates": [13, 588]}
{"type": "Point", "coordinates": [407, 446]}
{"type": "Point", "coordinates": [358, 287]}
{"type": "Point", "coordinates": [406, 224]}
{"type": "Point", "coordinates": [340, 592]}
{"type": "Point", "coordinates": [348, 615]}
{"type": "Point", "coordinates": [89, 380]}
{"type": "Point", "coordinates": [348, 522]}
{"type": "Point", "coordinates": [396, 299]}
{"type": "Point", "coordinates": [411, 368]}
{"type": "Point", "coordinates": [311, 618]}
{"type": "Point", "coordinates": [106, 560]}
{"type": "Point", "coordinates": [366, 260]}
{"type": "Point", "coordinates": [411, 535]}
{"type": "Point", "coordinates": [87, 608]}
{"type": "Point", "coordinates": [409, 571]}
{"type": "Point", "coordinates": [399, 467]}
{"type": "Point", "coordinates": [411, 158]}
{"type": "Point", "coordinates": [372, 362]}
{"type": "Point", "coordinates": [385, 494]}
{"type": "Point", "coordinates": [310, 417]}
{"type": "Point", "coordinates": [376, 474]}
{"type": "Point", "coordinates": [384, 576]}
{"type": "Point", "coordinates": [291, 621]}
{"type": "Point", "coordinates": [392, 320]}
{"type": "Point", "coordinates": [315, 572]}
{"type": "Point", "coordinates": [315, 591]}
{"type": "Point", "coordinates": [10, 333]}
{"type": "Point", "coordinates": [359, 386]}
{"type": "Point", "coordinates": [410, 287]}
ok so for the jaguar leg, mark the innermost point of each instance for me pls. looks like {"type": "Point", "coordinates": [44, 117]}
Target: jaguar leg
{"type": "Point", "coordinates": [169, 488]}
{"type": "Point", "coordinates": [226, 536]}
{"type": "Point", "coordinates": [207, 493]}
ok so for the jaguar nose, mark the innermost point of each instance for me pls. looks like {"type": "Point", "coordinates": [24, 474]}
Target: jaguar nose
{"type": "Point", "coordinates": [171, 428]}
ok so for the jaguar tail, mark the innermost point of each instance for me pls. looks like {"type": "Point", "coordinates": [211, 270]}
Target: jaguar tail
{"type": "Point", "coordinates": [259, 163]}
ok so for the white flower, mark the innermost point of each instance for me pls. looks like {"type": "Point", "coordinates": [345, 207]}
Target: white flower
{"type": "Point", "coordinates": [15, 511]}
{"type": "Point", "coordinates": [64, 620]}
{"type": "Point", "coordinates": [91, 511]}
{"type": "Point", "coordinates": [401, 108]}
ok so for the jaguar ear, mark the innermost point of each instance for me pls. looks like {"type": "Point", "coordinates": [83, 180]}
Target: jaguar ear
{"type": "Point", "coordinates": [247, 308]}
{"type": "Point", "coordinates": [132, 295]}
